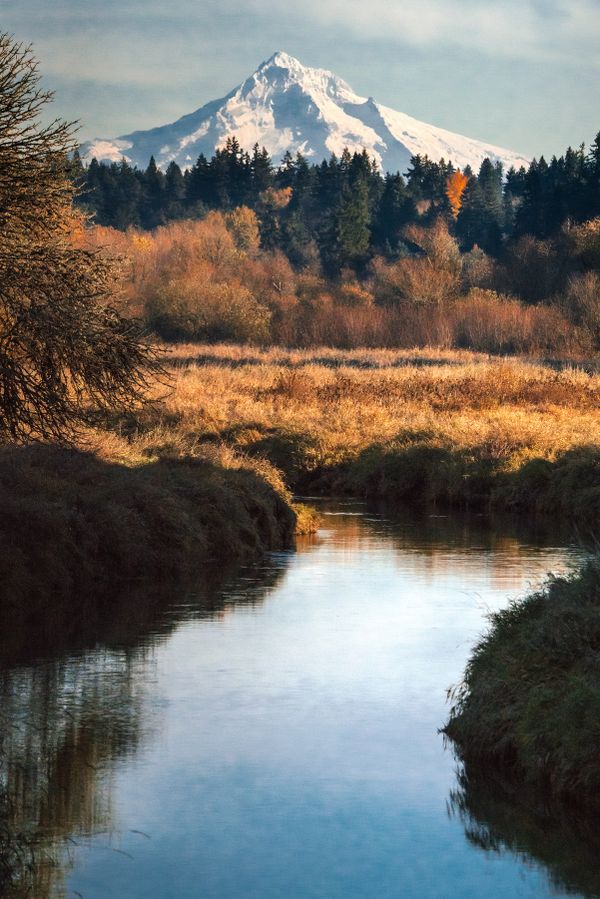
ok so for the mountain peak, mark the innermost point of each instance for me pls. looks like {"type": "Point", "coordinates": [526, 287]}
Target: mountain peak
{"type": "Point", "coordinates": [286, 69]}
{"type": "Point", "coordinates": [281, 60]}
{"type": "Point", "coordinates": [287, 106]}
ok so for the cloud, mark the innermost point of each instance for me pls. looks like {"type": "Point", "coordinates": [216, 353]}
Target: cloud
{"type": "Point", "coordinates": [561, 30]}
{"type": "Point", "coordinates": [518, 73]}
{"type": "Point", "coordinates": [565, 30]}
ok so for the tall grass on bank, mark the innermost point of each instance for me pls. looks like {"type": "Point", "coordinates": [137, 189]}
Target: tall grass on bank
{"type": "Point", "coordinates": [421, 426]}
{"type": "Point", "coordinates": [76, 529]}
{"type": "Point", "coordinates": [530, 700]}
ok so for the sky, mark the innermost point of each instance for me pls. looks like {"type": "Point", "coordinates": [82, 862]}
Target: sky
{"type": "Point", "coordinates": [523, 74]}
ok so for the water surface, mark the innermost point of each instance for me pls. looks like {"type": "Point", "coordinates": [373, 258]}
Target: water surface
{"type": "Point", "coordinates": [281, 740]}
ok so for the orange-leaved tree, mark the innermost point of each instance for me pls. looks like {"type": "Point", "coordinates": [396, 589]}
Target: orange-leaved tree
{"type": "Point", "coordinates": [455, 188]}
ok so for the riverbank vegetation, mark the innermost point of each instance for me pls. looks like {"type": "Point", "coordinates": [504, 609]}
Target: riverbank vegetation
{"type": "Point", "coordinates": [530, 701]}
{"type": "Point", "coordinates": [80, 528]}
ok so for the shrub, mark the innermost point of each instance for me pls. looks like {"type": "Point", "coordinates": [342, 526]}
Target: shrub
{"type": "Point", "coordinates": [581, 304]}
{"type": "Point", "coordinates": [533, 269]}
{"type": "Point", "coordinates": [179, 311]}
{"type": "Point", "coordinates": [489, 322]}
{"type": "Point", "coordinates": [583, 241]}
{"type": "Point", "coordinates": [242, 224]}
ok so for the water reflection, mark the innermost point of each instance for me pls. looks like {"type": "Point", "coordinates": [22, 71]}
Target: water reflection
{"type": "Point", "coordinates": [67, 723]}
{"type": "Point", "coordinates": [63, 726]}
{"type": "Point", "coordinates": [505, 818]}
{"type": "Point", "coordinates": [274, 734]}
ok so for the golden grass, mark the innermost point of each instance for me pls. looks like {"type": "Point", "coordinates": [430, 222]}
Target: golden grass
{"type": "Point", "coordinates": [347, 401]}
{"type": "Point", "coordinates": [203, 474]}
{"type": "Point", "coordinates": [315, 412]}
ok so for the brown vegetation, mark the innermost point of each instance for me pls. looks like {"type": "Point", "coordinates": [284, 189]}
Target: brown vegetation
{"type": "Point", "coordinates": [209, 281]}
{"type": "Point", "coordinates": [410, 427]}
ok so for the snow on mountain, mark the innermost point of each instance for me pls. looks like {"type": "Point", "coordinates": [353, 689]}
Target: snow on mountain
{"type": "Point", "coordinates": [287, 106]}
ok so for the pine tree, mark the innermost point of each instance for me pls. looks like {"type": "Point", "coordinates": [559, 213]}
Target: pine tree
{"type": "Point", "coordinates": [531, 215]}
{"type": "Point", "coordinates": [491, 224]}
{"type": "Point", "coordinates": [395, 210]}
{"type": "Point", "coordinates": [175, 192]}
{"type": "Point", "coordinates": [471, 215]}
{"type": "Point", "coordinates": [200, 188]}
{"type": "Point", "coordinates": [261, 171]}
{"type": "Point", "coordinates": [351, 226]}
{"type": "Point", "coordinates": [592, 208]}
{"type": "Point", "coordinates": [152, 196]}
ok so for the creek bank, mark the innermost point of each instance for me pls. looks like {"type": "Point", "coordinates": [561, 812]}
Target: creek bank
{"type": "Point", "coordinates": [529, 705]}
{"type": "Point", "coordinates": [421, 469]}
{"type": "Point", "coordinates": [76, 530]}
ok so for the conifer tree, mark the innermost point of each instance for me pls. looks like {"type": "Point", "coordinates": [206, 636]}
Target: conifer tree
{"type": "Point", "coordinates": [261, 171]}
{"type": "Point", "coordinates": [175, 191]}
{"type": "Point", "coordinates": [351, 229]}
{"type": "Point", "coordinates": [152, 196]}
{"type": "Point", "coordinates": [395, 210]}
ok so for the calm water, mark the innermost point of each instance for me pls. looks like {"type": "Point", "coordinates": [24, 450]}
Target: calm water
{"type": "Point", "coordinates": [281, 740]}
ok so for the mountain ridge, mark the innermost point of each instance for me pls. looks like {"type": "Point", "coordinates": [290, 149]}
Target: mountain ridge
{"type": "Point", "coordinates": [286, 106]}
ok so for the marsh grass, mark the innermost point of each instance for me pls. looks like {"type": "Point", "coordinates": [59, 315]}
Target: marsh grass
{"type": "Point", "coordinates": [420, 426]}
{"type": "Point", "coordinates": [204, 474]}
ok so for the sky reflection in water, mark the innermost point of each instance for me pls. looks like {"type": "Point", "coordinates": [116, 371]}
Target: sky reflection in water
{"type": "Point", "coordinates": [284, 744]}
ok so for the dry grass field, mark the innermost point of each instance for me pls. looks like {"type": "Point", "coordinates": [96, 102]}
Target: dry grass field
{"type": "Point", "coordinates": [413, 426]}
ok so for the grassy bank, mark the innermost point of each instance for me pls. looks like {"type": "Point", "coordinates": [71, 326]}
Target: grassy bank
{"type": "Point", "coordinates": [530, 701]}
{"type": "Point", "coordinates": [77, 528]}
{"type": "Point", "coordinates": [424, 426]}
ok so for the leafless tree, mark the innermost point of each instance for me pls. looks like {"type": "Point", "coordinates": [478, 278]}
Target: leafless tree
{"type": "Point", "coordinates": [65, 351]}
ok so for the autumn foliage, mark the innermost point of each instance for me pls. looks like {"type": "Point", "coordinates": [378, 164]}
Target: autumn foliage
{"type": "Point", "coordinates": [455, 188]}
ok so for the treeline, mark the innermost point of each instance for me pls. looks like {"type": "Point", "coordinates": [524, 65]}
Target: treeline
{"type": "Point", "coordinates": [343, 211]}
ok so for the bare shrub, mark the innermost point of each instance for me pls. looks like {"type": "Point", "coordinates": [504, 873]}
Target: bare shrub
{"type": "Point", "coordinates": [581, 304]}
{"type": "Point", "coordinates": [492, 323]}
{"type": "Point", "coordinates": [584, 242]}
{"type": "Point", "coordinates": [533, 270]}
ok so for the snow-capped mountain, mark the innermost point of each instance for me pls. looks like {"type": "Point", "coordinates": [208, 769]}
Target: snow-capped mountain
{"type": "Point", "coordinates": [287, 106]}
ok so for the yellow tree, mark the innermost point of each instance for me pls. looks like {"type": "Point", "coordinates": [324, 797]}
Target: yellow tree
{"type": "Point", "coordinates": [242, 224]}
{"type": "Point", "coordinates": [455, 188]}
